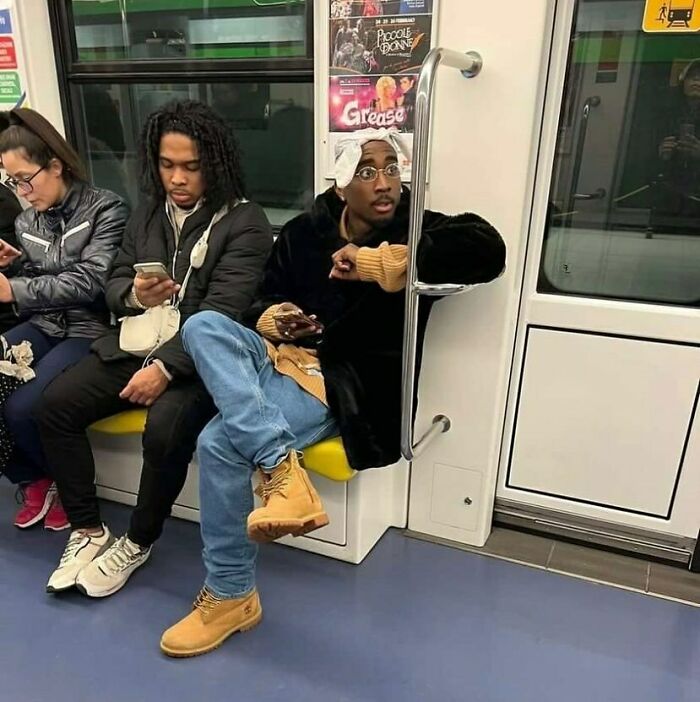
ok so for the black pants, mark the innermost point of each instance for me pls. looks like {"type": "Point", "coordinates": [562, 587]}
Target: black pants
{"type": "Point", "coordinates": [90, 391]}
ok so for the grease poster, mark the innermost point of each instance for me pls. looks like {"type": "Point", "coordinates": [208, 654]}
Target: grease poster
{"type": "Point", "coordinates": [376, 48]}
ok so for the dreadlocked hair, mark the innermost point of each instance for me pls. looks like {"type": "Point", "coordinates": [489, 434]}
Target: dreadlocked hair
{"type": "Point", "coordinates": [219, 154]}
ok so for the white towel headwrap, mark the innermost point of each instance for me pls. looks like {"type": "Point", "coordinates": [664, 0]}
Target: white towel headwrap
{"type": "Point", "coordinates": [348, 151]}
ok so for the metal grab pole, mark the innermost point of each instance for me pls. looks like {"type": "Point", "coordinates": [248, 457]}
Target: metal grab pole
{"type": "Point", "coordinates": [593, 101]}
{"type": "Point", "coordinates": [470, 65]}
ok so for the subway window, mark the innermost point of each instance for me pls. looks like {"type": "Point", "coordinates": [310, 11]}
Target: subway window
{"type": "Point", "coordinates": [251, 60]}
{"type": "Point", "coordinates": [624, 208]}
{"type": "Point", "coordinates": [199, 29]}
{"type": "Point", "coordinates": [273, 123]}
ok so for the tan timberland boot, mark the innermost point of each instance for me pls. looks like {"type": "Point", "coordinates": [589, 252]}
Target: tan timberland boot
{"type": "Point", "coordinates": [291, 505]}
{"type": "Point", "coordinates": [210, 623]}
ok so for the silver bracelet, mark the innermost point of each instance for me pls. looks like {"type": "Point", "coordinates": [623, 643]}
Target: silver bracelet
{"type": "Point", "coordinates": [135, 300]}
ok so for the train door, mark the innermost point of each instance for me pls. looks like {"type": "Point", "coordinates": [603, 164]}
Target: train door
{"type": "Point", "coordinates": [602, 433]}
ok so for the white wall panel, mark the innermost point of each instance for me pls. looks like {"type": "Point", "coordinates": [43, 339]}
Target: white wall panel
{"type": "Point", "coordinates": [591, 423]}
{"type": "Point", "coordinates": [42, 88]}
{"type": "Point", "coordinates": [485, 133]}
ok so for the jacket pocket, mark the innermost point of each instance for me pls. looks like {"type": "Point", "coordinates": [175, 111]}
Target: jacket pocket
{"type": "Point", "coordinates": [74, 239]}
{"type": "Point", "coordinates": [35, 240]}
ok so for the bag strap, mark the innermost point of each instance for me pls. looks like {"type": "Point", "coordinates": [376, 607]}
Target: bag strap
{"type": "Point", "coordinates": [199, 250]}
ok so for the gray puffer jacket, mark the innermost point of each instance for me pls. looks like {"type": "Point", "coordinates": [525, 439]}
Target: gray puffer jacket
{"type": "Point", "coordinates": [67, 253]}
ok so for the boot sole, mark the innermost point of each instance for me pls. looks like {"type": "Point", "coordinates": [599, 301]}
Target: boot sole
{"type": "Point", "coordinates": [246, 626]}
{"type": "Point", "coordinates": [57, 528]}
{"type": "Point", "coordinates": [270, 530]}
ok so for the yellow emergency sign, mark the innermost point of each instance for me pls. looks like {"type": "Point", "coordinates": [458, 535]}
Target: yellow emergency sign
{"type": "Point", "coordinates": [671, 16]}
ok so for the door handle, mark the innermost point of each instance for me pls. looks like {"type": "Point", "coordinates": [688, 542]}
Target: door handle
{"type": "Point", "coordinates": [597, 194]}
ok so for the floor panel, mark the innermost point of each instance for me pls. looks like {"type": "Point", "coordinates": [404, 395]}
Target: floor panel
{"type": "Point", "coordinates": [416, 621]}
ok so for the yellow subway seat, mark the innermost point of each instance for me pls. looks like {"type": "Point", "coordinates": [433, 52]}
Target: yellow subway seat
{"type": "Point", "coordinates": [129, 422]}
{"type": "Point", "coordinates": [327, 458]}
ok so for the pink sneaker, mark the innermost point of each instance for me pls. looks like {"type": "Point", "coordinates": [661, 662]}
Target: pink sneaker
{"type": "Point", "coordinates": [38, 497]}
{"type": "Point", "coordinates": [56, 518]}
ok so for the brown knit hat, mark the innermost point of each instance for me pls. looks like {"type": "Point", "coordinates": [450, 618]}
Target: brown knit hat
{"type": "Point", "coordinates": [42, 128]}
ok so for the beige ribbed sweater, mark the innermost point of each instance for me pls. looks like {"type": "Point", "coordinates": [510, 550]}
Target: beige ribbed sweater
{"type": "Point", "coordinates": [384, 265]}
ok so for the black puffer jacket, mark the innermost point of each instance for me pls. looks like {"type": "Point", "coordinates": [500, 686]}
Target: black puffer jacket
{"type": "Point", "coordinates": [361, 346]}
{"type": "Point", "coordinates": [67, 253]}
{"type": "Point", "coordinates": [239, 245]}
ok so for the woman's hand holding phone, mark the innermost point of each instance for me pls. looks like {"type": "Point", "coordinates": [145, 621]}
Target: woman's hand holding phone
{"type": "Point", "coordinates": [293, 324]}
{"type": "Point", "coordinates": [8, 254]}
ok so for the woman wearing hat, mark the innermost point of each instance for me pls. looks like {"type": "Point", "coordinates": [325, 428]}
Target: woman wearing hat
{"type": "Point", "coordinates": [54, 280]}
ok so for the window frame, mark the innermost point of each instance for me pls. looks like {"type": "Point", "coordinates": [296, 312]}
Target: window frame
{"type": "Point", "coordinates": [572, 81]}
{"type": "Point", "coordinates": [72, 72]}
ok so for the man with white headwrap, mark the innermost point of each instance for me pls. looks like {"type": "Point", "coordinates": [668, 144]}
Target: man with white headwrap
{"type": "Point", "coordinates": [321, 356]}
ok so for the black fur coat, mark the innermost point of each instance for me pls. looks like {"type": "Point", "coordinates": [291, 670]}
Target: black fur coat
{"type": "Point", "coordinates": [361, 346]}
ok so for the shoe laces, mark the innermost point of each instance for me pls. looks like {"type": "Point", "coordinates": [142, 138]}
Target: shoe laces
{"type": "Point", "coordinates": [275, 484]}
{"type": "Point", "coordinates": [75, 542]}
{"type": "Point", "coordinates": [206, 601]}
{"type": "Point", "coordinates": [120, 555]}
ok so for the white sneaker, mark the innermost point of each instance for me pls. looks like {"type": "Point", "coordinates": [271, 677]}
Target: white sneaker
{"type": "Point", "coordinates": [109, 573]}
{"type": "Point", "coordinates": [80, 550]}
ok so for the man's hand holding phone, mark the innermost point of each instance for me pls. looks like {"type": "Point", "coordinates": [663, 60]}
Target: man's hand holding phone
{"type": "Point", "coordinates": [8, 254]}
{"type": "Point", "coordinates": [293, 324]}
{"type": "Point", "coordinates": [152, 284]}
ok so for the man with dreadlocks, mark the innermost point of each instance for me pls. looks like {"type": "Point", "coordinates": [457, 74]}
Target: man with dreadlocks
{"type": "Point", "coordinates": [214, 244]}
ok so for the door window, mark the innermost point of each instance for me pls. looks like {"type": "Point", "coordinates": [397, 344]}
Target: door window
{"type": "Point", "coordinates": [624, 208]}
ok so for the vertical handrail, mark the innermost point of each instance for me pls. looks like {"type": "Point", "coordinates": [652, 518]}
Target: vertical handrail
{"type": "Point", "coordinates": [470, 65]}
{"type": "Point", "coordinates": [590, 102]}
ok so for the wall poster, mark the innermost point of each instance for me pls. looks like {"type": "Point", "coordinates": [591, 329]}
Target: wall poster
{"type": "Point", "coordinates": [376, 48]}
{"type": "Point", "coordinates": [12, 78]}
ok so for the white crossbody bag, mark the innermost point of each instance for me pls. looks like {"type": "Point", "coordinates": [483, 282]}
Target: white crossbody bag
{"type": "Point", "coordinates": [140, 335]}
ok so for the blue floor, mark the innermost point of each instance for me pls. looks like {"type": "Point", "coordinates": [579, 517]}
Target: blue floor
{"type": "Point", "coordinates": [414, 622]}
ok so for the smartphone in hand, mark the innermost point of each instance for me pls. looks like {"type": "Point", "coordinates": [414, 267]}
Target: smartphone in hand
{"type": "Point", "coordinates": [6, 248]}
{"type": "Point", "coordinates": [296, 317]}
{"type": "Point", "coordinates": [151, 270]}
{"type": "Point", "coordinates": [8, 253]}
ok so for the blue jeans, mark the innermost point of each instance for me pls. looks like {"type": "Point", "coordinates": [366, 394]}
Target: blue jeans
{"type": "Point", "coordinates": [263, 415]}
{"type": "Point", "coordinates": [52, 356]}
